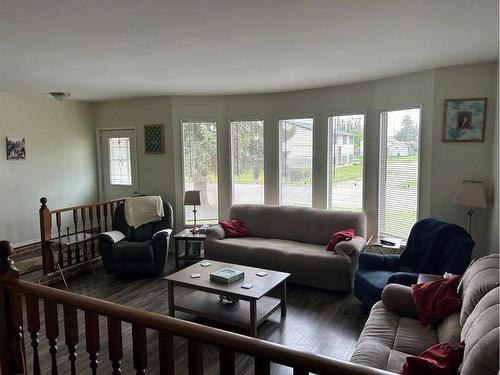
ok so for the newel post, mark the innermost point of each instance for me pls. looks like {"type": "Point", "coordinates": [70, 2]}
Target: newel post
{"type": "Point", "coordinates": [45, 235]}
{"type": "Point", "coordinates": [11, 319]}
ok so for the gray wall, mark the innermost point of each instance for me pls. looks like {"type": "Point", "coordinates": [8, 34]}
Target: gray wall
{"type": "Point", "coordinates": [443, 166]}
{"type": "Point", "coordinates": [60, 161]}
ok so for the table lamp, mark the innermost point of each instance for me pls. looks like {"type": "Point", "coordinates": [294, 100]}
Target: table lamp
{"type": "Point", "coordinates": [470, 193]}
{"type": "Point", "coordinates": [194, 198]}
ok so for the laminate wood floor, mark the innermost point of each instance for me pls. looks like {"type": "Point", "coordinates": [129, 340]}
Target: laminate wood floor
{"type": "Point", "coordinates": [320, 321]}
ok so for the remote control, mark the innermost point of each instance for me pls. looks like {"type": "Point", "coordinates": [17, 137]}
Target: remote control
{"type": "Point", "coordinates": [261, 273]}
{"type": "Point", "coordinates": [195, 275]}
{"type": "Point", "coordinates": [387, 243]}
{"type": "Point", "coordinates": [247, 286]}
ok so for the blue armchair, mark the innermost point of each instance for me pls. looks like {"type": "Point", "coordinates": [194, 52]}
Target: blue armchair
{"type": "Point", "coordinates": [129, 252]}
{"type": "Point", "coordinates": [434, 247]}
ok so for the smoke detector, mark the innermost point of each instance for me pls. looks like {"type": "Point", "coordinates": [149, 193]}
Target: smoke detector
{"type": "Point", "coordinates": [60, 95]}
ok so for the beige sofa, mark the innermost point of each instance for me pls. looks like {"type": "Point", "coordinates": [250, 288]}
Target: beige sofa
{"type": "Point", "coordinates": [293, 239]}
{"type": "Point", "coordinates": [393, 332]}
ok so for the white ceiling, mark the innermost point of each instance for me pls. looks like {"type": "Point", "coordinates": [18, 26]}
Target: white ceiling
{"type": "Point", "coordinates": [103, 49]}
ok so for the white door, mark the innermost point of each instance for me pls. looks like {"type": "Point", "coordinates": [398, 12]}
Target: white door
{"type": "Point", "coordinates": [119, 163]}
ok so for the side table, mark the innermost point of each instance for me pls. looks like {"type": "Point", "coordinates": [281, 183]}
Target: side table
{"type": "Point", "coordinates": [187, 237]}
{"type": "Point", "coordinates": [374, 246]}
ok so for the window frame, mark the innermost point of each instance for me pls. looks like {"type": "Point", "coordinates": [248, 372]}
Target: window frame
{"type": "Point", "coordinates": [230, 131]}
{"type": "Point", "coordinates": [419, 159]}
{"type": "Point", "coordinates": [329, 154]}
{"type": "Point", "coordinates": [295, 117]}
{"type": "Point", "coordinates": [181, 124]}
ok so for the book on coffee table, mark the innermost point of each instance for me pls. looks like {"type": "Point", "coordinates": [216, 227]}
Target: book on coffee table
{"type": "Point", "coordinates": [226, 275]}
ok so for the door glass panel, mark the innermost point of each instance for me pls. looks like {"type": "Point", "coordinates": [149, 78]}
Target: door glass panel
{"type": "Point", "coordinates": [120, 168]}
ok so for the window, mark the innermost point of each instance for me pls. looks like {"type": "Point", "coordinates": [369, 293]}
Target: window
{"type": "Point", "coordinates": [200, 169]}
{"type": "Point", "coordinates": [399, 171]}
{"type": "Point", "coordinates": [296, 151]}
{"type": "Point", "coordinates": [247, 161]}
{"type": "Point", "coordinates": [120, 166]}
{"type": "Point", "coordinates": [345, 162]}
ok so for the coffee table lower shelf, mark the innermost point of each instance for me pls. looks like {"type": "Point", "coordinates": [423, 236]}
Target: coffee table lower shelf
{"type": "Point", "coordinates": [208, 305]}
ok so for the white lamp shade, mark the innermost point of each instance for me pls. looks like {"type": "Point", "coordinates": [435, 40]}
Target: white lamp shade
{"type": "Point", "coordinates": [471, 194]}
{"type": "Point", "coordinates": [194, 198]}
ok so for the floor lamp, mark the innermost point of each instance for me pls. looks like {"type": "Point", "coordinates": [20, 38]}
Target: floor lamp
{"type": "Point", "coordinates": [470, 193]}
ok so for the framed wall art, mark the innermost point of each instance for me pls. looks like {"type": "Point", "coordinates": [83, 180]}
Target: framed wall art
{"type": "Point", "coordinates": [464, 120]}
{"type": "Point", "coordinates": [154, 139]}
{"type": "Point", "coordinates": [16, 148]}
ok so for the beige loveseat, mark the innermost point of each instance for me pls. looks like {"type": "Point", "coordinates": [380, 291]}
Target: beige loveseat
{"type": "Point", "coordinates": [393, 331]}
{"type": "Point", "coordinates": [293, 239]}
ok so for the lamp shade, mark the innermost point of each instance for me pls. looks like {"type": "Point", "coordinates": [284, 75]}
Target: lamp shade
{"type": "Point", "coordinates": [471, 194]}
{"type": "Point", "coordinates": [194, 198]}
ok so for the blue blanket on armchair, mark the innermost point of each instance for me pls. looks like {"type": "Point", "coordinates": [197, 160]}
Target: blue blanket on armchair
{"type": "Point", "coordinates": [436, 247]}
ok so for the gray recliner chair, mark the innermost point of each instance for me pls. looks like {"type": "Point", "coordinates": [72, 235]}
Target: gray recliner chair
{"type": "Point", "coordinates": [136, 252]}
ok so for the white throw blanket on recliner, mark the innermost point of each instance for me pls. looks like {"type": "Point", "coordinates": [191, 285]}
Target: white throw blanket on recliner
{"type": "Point", "coordinates": [143, 210]}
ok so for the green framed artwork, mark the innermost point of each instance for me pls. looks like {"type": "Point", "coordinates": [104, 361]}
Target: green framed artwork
{"type": "Point", "coordinates": [464, 120]}
{"type": "Point", "coordinates": [154, 140]}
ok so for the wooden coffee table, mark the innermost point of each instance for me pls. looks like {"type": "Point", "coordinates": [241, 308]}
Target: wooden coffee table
{"type": "Point", "coordinates": [253, 307]}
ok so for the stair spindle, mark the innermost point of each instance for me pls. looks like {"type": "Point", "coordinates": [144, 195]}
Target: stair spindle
{"type": "Point", "coordinates": [83, 213]}
{"type": "Point", "coordinates": [58, 223]}
{"type": "Point", "coordinates": [33, 316]}
{"type": "Point", "coordinates": [92, 338]}
{"type": "Point", "coordinates": [300, 371]}
{"type": "Point", "coordinates": [75, 219]}
{"type": "Point", "coordinates": [52, 331]}
{"type": "Point", "coordinates": [105, 213]}
{"type": "Point", "coordinates": [139, 347]}
{"type": "Point", "coordinates": [98, 216]}
{"type": "Point", "coordinates": [226, 360]}
{"type": "Point", "coordinates": [71, 334]}
{"type": "Point", "coordinates": [115, 344]}
{"type": "Point", "coordinates": [166, 353]}
{"type": "Point", "coordinates": [262, 366]}
{"type": "Point", "coordinates": [195, 356]}
{"type": "Point", "coordinates": [92, 229]}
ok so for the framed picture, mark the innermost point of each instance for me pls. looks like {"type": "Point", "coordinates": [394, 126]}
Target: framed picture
{"type": "Point", "coordinates": [16, 148]}
{"type": "Point", "coordinates": [464, 120]}
{"type": "Point", "coordinates": [154, 141]}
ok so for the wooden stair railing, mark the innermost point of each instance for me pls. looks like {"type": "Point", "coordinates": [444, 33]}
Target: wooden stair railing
{"type": "Point", "coordinates": [13, 354]}
{"type": "Point", "coordinates": [92, 217]}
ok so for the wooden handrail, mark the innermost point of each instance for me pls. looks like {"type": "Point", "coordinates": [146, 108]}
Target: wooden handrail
{"type": "Point", "coordinates": [243, 344]}
{"type": "Point", "coordinates": [264, 352]}
{"type": "Point", "coordinates": [85, 205]}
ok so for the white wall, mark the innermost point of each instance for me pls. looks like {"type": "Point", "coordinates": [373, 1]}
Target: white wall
{"type": "Point", "coordinates": [440, 171]}
{"type": "Point", "coordinates": [60, 161]}
{"type": "Point", "coordinates": [454, 162]}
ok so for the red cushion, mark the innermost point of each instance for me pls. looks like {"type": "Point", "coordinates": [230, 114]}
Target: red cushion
{"type": "Point", "coordinates": [435, 300]}
{"type": "Point", "coordinates": [234, 228]}
{"type": "Point", "coordinates": [343, 235]}
{"type": "Point", "coordinates": [440, 359]}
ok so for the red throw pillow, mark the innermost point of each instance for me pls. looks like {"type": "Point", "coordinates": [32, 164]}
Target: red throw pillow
{"type": "Point", "coordinates": [234, 228]}
{"type": "Point", "coordinates": [343, 235]}
{"type": "Point", "coordinates": [440, 359]}
{"type": "Point", "coordinates": [435, 300]}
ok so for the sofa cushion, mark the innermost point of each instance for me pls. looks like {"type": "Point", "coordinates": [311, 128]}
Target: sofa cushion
{"type": "Point", "coordinates": [480, 334]}
{"type": "Point", "coordinates": [481, 277]}
{"type": "Point", "coordinates": [396, 361]}
{"type": "Point", "coordinates": [449, 329]}
{"type": "Point", "coordinates": [385, 332]}
{"type": "Point", "coordinates": [308, 264]}
{"type": "Point", "coordinates": [126, 251]}
{"type": "Point", "coordinates": [301, 224]}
